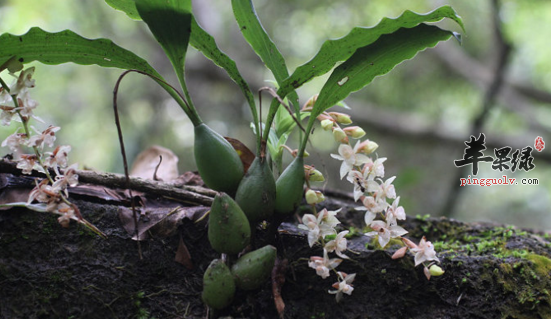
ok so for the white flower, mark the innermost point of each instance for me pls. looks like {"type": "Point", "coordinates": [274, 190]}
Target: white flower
{"type": "Point", "coordinates": [329, 220]}
{"type": "Point", "coordinates": [350, 159]}
{"type": "Point", "coordinates": [68, 179]}
{"type": "Point", "coordinates": [320, 226]}
{"type": "Point", "coordinates": [343, 286]}
{"type": "Point", "coordinates": [311, 223]}
{"type": "Point", "coordinates": [382, 191]}
{"type": "Point", "coordinates": [374, 168]}
{"type": "Point", "coordinates": [14, 141]}
{"type": "Point", "coordinates": [26, 104]}
{"type": "Point", "coordinates": [46, 137]}
{"type": "Point", "coordinates": [7, 107]}
{"type": "Point", "coordinates": [24, 82]}
{"type": "Point", "coordinates": [58, 158]}
{"type": "Point", "coordinates": [43, 193]}
{"type": "Point", "coordinates": [372, 208]}
{"type": "Point", "coordinates": [395, 212]}
{"type": "Point", "coordinates": [338, 245]}
{"type": "Point", "coordinates": [26, 163]}
{"type": "Point", "coordinates": [385, 232]}
{"type": "Point", "coordinates": [360, 183]}
{"type": "Point", "coordinates": [424, 251]}
{"type": "Point", "coordinates": [323, 265]}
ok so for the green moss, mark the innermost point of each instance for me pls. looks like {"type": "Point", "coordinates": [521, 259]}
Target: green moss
{"type": "Point", "coordinates": [422, 218]}
{"type": "Point", "coordinates": [489, 242]}
{"type": "Point", "coordinates": [373, 244]}
{"type": "Point", "coordinates": [523, 275]}
{"type": "Point", "coordinates": [542, 265]}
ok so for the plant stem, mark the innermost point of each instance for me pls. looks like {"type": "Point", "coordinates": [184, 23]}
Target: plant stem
{"type": "Point", "coordinates": [309, 127]}
{"type": "Point", "coordinates": [191, 111]}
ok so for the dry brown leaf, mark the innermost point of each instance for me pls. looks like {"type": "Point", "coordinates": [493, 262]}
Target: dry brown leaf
{"type": "Point", "coordinates": [245, 154]}
{"type": "Point", "coordinates": [146, 163]}
{"type": "Point", "coordinates": [158, 222]}
{"type": "Point", "coordinates": [189, 179]}
{"type": "Point", "coordinates": [183, 256]}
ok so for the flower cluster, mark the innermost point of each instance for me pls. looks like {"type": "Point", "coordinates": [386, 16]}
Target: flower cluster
{"type": "Point", "coordinates": [15, 101]}
{"type": "Point", "coordinates": [378, 198]}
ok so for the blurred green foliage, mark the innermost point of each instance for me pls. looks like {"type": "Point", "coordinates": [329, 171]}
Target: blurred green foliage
{"type": "Point", "coordinates": [425, 90]}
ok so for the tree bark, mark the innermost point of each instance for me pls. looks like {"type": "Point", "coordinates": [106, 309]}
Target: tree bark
{"type": "Point", "coordinates": [46, 271]}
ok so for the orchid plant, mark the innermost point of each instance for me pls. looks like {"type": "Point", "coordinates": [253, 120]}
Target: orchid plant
{"type": "Point", "coordinates": [370, 188]}
{"type": "Point", "coordinates": [353, 61]}
{"type": "Point", "coordinates": [51, 193]}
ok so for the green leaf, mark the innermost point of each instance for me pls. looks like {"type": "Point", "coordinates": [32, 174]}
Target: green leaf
{"type": "Point", "coordinates": [259, 40]}
{"type": "Point", "coordinates": [170, 23]}
{"type": "Point", "coordinates": [338, 50]}
{"type": "Point", "coordinates": [126, 6]}
{"type": "Point", "coordinates": [374, 60]}
{"type": "Point", "coordinates": [67, 46]}
{"type": "Point", "coordinates": [264, 47]}
{"type": "Point", "coordinates": [205, 43]}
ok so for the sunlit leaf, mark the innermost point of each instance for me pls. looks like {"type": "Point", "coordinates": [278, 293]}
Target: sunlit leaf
{"type": "Point", "coordinates": [374, 60]}
{"type": "Point", "coordinates": [67, 46]}
{"type": "Point", "coordinates": [338, 50]}
{"type": "Point", "coordinates": [259, 40]}
{"type": "Point", "coordinates": [126, 6]}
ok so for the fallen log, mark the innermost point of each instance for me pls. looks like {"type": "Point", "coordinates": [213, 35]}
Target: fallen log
{"type": "Point", "coordinates": [46, 271]}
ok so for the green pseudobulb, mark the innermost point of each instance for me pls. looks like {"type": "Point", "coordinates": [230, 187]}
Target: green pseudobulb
{"type": "Point", "coordinates": [229, 230]}
{"type": "Point", "coordinates": [253, 269]}
{"type": "Point", "coordinates": [290, 187]}
{"type": "Point", "coordinates": [256, 193]}
{"type": "Point", "coordinates": [217, 162]}
{"type": "Point", "coordinates": [218, 285]}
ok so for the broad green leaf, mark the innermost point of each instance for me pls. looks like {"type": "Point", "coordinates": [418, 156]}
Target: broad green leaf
{"type": "Point", "coordinates": [126, 6]}
{"type": "Point", "coordinates": [170, 23]}
{"type": "Point", "coordinates": [374, 60]}
{"type": "Point", "coordinates": [200, 40]}
{"type": "Point", "coordinates": [67, 46]}
{"type": "Point", "coordinates": [338, 50]}
{"type": "Point", "coordinates": [265, 48]}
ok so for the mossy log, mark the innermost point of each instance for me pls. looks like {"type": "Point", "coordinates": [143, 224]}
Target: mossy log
{"type": "Point", "coordinates": [47, 271]}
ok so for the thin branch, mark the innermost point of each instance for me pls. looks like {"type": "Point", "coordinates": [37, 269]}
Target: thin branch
{"type": "Point", "coordinates": [192, 195]}
{"type": "Point", "coordinates": [280, 100]}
